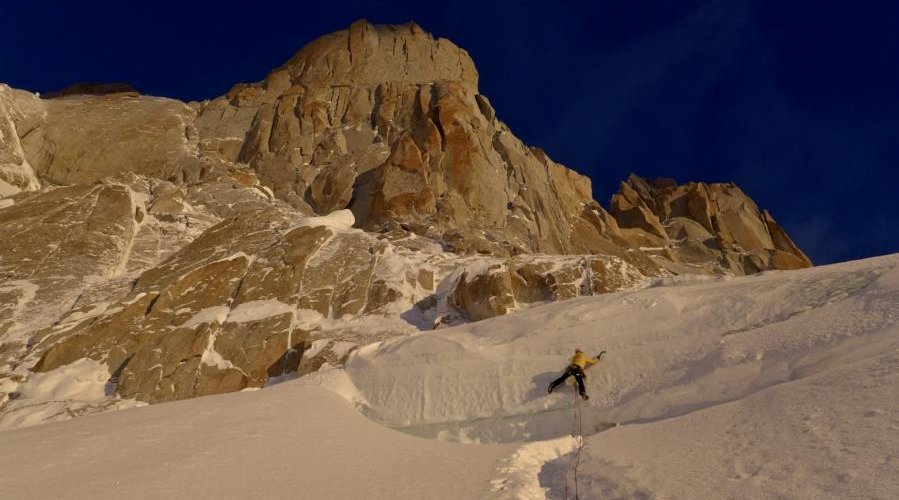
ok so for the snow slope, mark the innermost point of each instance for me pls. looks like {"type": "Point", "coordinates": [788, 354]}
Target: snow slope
{"type": "Point", "coordinates": [781, 385]}
{"type": "Point", "coordinates": [283, 442]}
{"type": "Point", "coordinates": [831, 435]}
{"type": "Point", "coordinates": [672, 349]}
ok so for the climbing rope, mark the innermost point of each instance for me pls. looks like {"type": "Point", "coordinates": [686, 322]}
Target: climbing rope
{"type": "Point", "coordinates": [578, 434]}
{"type": "Point", "coordinates": [580, 442]}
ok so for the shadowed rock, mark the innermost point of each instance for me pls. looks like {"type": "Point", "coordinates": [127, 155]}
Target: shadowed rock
{"type": "Point", "coordinates": [93, 89]}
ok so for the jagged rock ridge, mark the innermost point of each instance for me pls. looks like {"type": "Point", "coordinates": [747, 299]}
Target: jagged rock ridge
{"type": "Point", "coordinates": [699, 223]}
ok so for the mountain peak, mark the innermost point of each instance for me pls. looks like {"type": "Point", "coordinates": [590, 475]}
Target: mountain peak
{"type": "Point", "coordinates": [365, 54]}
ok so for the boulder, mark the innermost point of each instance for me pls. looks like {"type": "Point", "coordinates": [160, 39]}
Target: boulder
{"type": "Point", "coordinates": [484, 293]}
{"type": "Point", "coordinates": [332, 189]}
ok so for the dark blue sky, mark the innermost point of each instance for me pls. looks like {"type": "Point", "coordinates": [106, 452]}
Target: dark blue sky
{"type": "Point", "coordinates": [796, 101]}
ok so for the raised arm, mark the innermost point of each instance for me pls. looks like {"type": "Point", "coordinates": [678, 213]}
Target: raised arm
{"type": "Point", "coordinates": [596, 359]}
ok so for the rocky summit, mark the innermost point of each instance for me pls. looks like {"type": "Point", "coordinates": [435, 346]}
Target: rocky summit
{"type": "Point", "coordinates": [364, 189]}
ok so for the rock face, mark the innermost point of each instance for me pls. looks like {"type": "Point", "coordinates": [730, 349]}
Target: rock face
{"type": "Point", "coordinates": [364, 189]}
{"type": "Point", "coordinates": [245, 299]}
{"type": "Point", "coordinates": [19, 115]}
{"type": "Point", "coordinates": [399, 115]}
{"type": "Point", "coordinates": [86, 139]}
{"type": "Point", "coordinates": [499, 288]}
{"type": "Point", "coordinates": [701, 224]}
{"type": "Point", "coordinates": [71, 253]}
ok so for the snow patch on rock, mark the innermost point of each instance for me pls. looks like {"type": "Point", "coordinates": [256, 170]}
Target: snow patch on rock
{"type": "Point", "coordinates": [338, 219]}
{"type": "Point", "coordinates": [83, 380]}
{"type": "Point", "coordinates": [257, 310]}
{"type": "Point", "coordinates": [214, 314]}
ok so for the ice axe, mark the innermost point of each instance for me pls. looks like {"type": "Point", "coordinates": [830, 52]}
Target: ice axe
{"type": "Point", "coordinates": [599, 356]}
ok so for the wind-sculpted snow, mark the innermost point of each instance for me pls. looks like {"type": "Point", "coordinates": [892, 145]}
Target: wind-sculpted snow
{"type": "Point", "coordinates": [672, 350]}
{"type": "Point", "coordinates": [782, 384]}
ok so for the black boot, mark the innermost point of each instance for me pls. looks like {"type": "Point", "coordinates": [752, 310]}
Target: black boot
{"type": "Point", "coordinates": [550, 390]}
{"type": "Point", "coordinates": [585, 396]}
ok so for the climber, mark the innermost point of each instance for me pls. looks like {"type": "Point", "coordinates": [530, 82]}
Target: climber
{"type": "Point", "coordinates": [579, 362]}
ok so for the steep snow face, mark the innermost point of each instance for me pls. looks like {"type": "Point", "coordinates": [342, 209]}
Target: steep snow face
{"type": "Point", "coordinates": [672, 350]}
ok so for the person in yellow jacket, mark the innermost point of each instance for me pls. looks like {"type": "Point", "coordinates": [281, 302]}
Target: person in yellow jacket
{"type": "Point", "coordinates": [579, 363]}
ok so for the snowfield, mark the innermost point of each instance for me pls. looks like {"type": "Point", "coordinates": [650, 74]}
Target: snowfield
{"type": "Point", "coordinates": [780, 385]}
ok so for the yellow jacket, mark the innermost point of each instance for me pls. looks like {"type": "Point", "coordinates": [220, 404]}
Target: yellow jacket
{"type": "Point", "coordinates": [582, 360]}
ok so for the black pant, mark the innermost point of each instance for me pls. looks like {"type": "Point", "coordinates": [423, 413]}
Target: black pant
{"type": "Point", "coordinates": [572, 371]}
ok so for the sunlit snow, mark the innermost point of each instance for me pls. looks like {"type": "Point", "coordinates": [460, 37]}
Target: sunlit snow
{"type": "Point", "coordinates": [781, 385]}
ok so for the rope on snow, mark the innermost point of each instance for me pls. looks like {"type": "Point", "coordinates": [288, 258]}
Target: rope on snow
{"type": "Point", "coordinates": [578, 433]}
